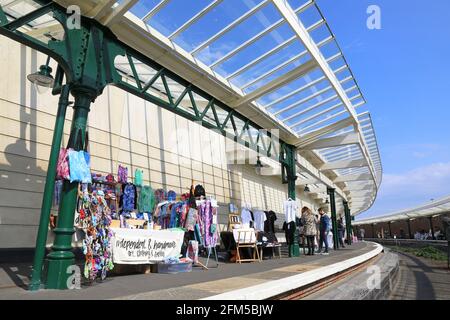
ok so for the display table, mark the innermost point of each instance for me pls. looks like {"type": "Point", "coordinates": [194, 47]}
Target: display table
{"type": "Point", "coordinates": [141, 246]}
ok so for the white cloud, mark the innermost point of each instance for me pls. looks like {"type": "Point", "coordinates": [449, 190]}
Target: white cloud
{"type": "Point", "coordinates": [412, 188]}
{"type": "Point", "coordinates": [432, 177]}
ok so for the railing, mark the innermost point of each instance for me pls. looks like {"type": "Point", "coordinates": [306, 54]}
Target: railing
{"type": "Point", "coordinates": [442, 245]}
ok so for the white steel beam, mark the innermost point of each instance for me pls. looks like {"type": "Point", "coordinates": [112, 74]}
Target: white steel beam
{"type": "Point", "coordinates": [347, 139]}
{"type": "Point", "coordinates": [284, 64]}
{"type": "Point", "coordinates": [100, 9]}
{"type": "Point", "coordinates": [271, 171]}
{"type": "Point", "coordinates": [356, 177]}
{"type": "Point", "coordinates": [301, 32]}
{"type": "Point", "coordinates": [230, 26]}
{"type": "Point", "coordinates": [296, 104]}
{"type": "Point", "coordinates": [325, 130]}
{"type": "Point", "coordinates": [316, 115]}
{"type": "Point", "coordinates": [117, 12]}
{"type": "Point", "coordinates": [273, 51]}
{"type": "Point", "coordinates": [247, 43]}
{"type": "Point", "coordinates": [277, 83]}
{"type": "Point", "coordinates": [155, 10]}
{"type": "Point", "coordinates": [304, 182]}
{"type": "Point", "coordinates": [299, 29]}
{"type": "Point", "coordinates": [259, 35]}
{"type": "Point", "coordinates": [344, 164]}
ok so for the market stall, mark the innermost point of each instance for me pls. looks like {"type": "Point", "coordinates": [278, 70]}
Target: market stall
{"type": "Point", "coordinates": [122, 221]}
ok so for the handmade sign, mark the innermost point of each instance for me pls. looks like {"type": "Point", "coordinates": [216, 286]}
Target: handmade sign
{"type": "Point", "coordinates": [136, 246]}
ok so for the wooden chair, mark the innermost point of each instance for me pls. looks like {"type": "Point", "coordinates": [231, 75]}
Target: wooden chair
{"type": "Point", "coordinates": [246, 238]}
{"type": "Point", "coordinates": [233, 219]}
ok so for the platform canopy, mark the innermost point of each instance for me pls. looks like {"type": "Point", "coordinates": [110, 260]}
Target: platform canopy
{"type": "Point", "coordinates": [430, 209]}
{"type": "Point", "coordinates": [276, 62]}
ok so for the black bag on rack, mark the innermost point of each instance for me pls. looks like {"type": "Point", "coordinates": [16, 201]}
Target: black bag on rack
{"type": "Point", "coordinates": [199, 191]}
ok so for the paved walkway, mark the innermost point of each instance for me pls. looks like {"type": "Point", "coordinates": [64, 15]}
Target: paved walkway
{"type": "Point", "coordinates": [422, 279]}
{"type": "Point", "coordinates": [195, 285]}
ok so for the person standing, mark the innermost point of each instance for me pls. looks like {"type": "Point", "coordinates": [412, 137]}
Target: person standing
{"type": "Point", "coordinates": [325, 227]}
{"type": "Point", "coordinates": [341, 232]}
{"type": "Point", "coordinates": [310, 229]}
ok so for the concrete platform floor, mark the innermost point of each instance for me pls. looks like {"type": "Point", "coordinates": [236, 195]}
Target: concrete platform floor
{"type": "Point", "coordinates": [197, 284]}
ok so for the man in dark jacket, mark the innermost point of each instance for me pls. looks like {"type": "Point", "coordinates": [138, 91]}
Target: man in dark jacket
{"type": "Point", "coordinates": [325, 227]}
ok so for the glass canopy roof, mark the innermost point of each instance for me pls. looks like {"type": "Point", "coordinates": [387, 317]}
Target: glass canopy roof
{"type": "Point", "coordinates": [279, 56]}
{"type": "Point", "coordinates": [250, 44]}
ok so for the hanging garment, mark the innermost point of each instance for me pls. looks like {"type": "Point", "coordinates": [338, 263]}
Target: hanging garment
{"type": "Point", "coordinates": [128, 198]}
{"type": "Point", "coordinates": [175, 215]}
{"type": "Point", "coordinates": [171, 195]}
{"type": "Point", "coordinates": [191, 219]}
{"type": "Point", "coordinates": [122, 174]}
{"type": "Point", "coordinates": [290, 210]}
{"type": "Point", "coordinates": [289, 231]}
{"type": "Point", "coordinates": [138, 177]}
{"type": "Point", "coordinates": [260, 218]}
{"type": "Point", "coordinates": [269, 224]}
{"type": "Point", "coordinates": [146, 202]}
{"type": "Point", "coordinates": [246, 217]}
{"type": "Point", "coordinates": [208, 225]}
{"type": "Point", "coordinates": [184, 213]}
{"type": "Point", "coordinates": [160, 195]}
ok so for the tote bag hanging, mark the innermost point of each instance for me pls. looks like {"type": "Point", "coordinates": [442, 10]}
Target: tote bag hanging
{"type": "Point", "coordinates": [62, 167]}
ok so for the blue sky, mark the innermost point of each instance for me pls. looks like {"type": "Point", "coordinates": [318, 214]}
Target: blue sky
{"type": "Point", "coordinates": [403, 70]}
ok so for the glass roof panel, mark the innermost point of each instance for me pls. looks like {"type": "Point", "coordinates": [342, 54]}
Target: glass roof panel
{"type": "Point", "coordinates": [141, 8]}
{"type": "Point", "coordinates": [213, 22]}
{"type": "Point", "coordinates": [263, 67]}
{"type": "Point", "coordinates": [309, 16]}
{"type": "Point", "coordinates": [247, 29]}
{"type": "Point", "coordinates": [255, 50]}
{"type": "Point", "coordinates": [175, 14]}
{"type": "Point", "coordinates": [277, 74]}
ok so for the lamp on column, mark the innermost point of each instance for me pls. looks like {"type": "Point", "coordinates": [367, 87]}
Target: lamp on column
{"type": "Point", "coordinates": [258, 166]}
{"type": "Point", "coordinates": [307, 189]}
{"type": "Point", "coordinates": [42, 79]}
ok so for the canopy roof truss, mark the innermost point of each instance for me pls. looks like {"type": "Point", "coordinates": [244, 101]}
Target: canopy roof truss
{"type": "Point", "coordinates": [430, 209]}
{"type": "Point", "coordinates": [275, 62]}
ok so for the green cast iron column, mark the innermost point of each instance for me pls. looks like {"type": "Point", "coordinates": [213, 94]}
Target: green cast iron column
{"type": "Point", "coordinates": [62, 256]}
{"type": "Point", "coordinates": [409, 229]}
{"type": "Point", "coordinates": [334, 218]}
{"type": "Point", "coordinates": [291, 175]}
{"type": "Point", "coordinates": [41, 239]}
{"type": "Point", "coordinates": [292, 172]}
{"type": "Point", "coordinates": [348, 223]}
{"type": "Point", "coordinates": [431, 227]}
